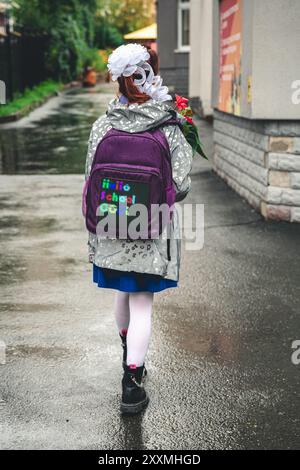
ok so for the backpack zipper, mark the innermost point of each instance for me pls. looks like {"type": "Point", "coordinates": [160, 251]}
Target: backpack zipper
{"type": "Point", "coordinates": [166, 149]}
{"type": "Point", "coordinates": [138, 134]}
{"type": "Point", "coordinates": [136, 169]}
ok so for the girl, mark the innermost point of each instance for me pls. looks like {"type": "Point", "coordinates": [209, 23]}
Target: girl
{"type": "Point", "coordinates": [137, 269]}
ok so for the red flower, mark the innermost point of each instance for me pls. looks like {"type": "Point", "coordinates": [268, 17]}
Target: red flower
{"type": "Point", "coordinates": [181, 102]}
{"type": "Point", "coordinates": [190, 120]}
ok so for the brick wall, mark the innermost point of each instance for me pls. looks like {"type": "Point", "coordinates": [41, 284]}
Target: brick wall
{"type": "Point", "coordinates": [260, 160]}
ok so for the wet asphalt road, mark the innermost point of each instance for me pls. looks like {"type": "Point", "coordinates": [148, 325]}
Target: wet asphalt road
{"type": "Point", "coordinates": [52, 139]}
{"type": "Point", "coordinates": [220, 370]}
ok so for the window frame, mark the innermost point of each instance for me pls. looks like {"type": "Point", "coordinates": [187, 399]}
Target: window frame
{"type": "Point", "coordinates": [180, 7]}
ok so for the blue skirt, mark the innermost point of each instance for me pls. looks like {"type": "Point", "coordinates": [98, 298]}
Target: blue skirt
{"type": "Point", "coordinates": [130, 281]}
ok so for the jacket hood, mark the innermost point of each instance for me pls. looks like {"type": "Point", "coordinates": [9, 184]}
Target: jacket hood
{"type": "Point", "coordinates": [139, 117]}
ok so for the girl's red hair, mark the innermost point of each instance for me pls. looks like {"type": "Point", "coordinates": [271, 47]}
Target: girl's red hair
{"type": "Point", "coordinates": [130, 90]}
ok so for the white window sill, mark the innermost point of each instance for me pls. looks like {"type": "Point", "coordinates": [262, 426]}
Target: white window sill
{"type": "Point", "coordinates": [182, 49]}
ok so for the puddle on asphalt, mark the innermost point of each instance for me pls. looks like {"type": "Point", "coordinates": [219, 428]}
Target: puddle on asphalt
{"type": "Point", "coordinates": [57, 141]}
{"type": "Point", "coordinates": [222, 347]}
{"type": "Point", "coordinates": [12, 270]}
{"type": "Point", "coordinates": [8, 202]}
{"type": "Point", "coordinates": [12, 225]}
{"type": "Point", "coordinates": [28, 268]}
{"type": "Point", "coordinates": [22, 265]}
{"type": "Point", "coordinates": [212, 343]}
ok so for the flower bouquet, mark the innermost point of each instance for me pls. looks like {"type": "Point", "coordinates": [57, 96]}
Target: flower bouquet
{"type": "Point", "coordinates": [190, 130]}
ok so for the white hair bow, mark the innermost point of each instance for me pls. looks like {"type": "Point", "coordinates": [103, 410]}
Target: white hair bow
{"type": "Point", "coordinates": [132, 59]}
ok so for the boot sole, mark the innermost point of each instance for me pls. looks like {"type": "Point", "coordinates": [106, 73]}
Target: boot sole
{"type": "Point", "coordinates": [133, 408]}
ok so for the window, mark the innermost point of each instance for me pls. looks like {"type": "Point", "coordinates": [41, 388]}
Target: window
{"type": "Point", "coordinates": [184, 25]}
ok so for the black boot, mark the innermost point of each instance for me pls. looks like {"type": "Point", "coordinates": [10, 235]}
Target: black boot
{"type": "Point", "coordinates": [134, 397]}
{"type": "Point", "coordinates": [124, 346]}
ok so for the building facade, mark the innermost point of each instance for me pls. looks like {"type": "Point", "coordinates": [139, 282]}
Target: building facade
{"type": "Point", "coordinates": [200, 57]}
{"type": "Point", "coordinates": [185, 49]}
{"type": "Point", "coordinates": [240, 61]}
{"type": "Point", "coordinates": [256, 101]}
{"type": "Point", "coordinates": [173, 32]}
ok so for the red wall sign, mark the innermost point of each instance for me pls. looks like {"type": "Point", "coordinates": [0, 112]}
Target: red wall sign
{"type": "Point", "coordinates": [230, 56]}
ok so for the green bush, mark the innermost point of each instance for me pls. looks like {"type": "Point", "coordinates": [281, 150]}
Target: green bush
{"type": "Point", "coordinates": [92, 58]}
{"type": "Point", "coordinates": [78, 28]}
{"type": "Point", "coordinates": [114, 37]}
{"type": "Point", "coordinates": [66, 49]}
{"type": "Point", "coordinates": [71, 28]}
{"type": "Point", "coordinates": [107, 35]}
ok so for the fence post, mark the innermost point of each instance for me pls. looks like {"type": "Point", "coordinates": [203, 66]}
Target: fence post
{"type": "Point", "coordinates": [2, 92]}
{"type": "Point", "coordinates": [9, 62]}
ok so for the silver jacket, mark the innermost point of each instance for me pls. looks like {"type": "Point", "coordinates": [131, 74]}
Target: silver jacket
{"type": "Point", "coordinates": [148, 256]}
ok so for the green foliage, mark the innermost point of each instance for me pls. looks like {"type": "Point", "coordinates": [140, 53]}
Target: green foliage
{"type": "Point", "coordinates": [107, 35]}
{"type": "Point", "coordinates": [127, 15]}
{"type": "Point", "coordinates": [92, 58]}
{"type": "Point", "coordinates": [113, 37]}
{"type": "Point", "coordinates": [29, 15]}
{"type": "Point", "coordinates": [30, 96]}
{"type": "Point", "coordinates": [191, 134]}
{"type": "Point", "coordinates": [71, 28]}
{"type": "Point", "coordinates": [66, 49]}
{"type": "Point", "coordinates": [76, 28]}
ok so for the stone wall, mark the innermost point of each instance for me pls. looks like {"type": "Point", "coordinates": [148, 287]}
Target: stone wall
{"type": "Point", "coordinates": [260, 160]}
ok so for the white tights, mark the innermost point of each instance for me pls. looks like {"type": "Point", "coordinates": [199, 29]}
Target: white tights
{"type": "Point", "coordinates": [133, 312]}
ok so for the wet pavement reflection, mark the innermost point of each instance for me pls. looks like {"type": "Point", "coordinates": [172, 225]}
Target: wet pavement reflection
{"type": "Point", "coordinates": [53, 138]}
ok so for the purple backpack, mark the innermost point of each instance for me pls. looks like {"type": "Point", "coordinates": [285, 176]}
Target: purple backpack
{"type": "Point", "coordinates": [127, 169]}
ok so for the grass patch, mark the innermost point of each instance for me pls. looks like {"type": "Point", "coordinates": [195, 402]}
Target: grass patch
{"type": "Point", "coordinates": [30, 97]}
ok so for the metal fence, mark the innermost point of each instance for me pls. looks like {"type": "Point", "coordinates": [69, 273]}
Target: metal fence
{"type": "Point", "coordinates": [22, 61]}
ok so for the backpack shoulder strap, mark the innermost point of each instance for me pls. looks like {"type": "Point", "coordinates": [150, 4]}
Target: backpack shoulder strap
{"type": "Point", "coordinates": [160, 135]}
{"type": "Point", "coordinates": [173, 121]}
